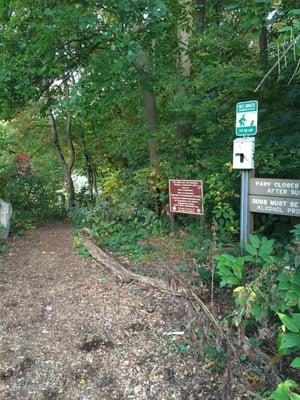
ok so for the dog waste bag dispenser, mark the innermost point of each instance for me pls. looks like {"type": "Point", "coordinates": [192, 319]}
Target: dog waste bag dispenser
{"type": "Point", "coordinates": [243, 153]}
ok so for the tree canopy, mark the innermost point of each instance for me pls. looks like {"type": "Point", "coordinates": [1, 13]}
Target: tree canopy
{"type": "Point", "coordinates": [150, 87]}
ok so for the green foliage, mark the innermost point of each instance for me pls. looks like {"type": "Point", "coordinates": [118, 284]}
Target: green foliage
{"type": "Point", "coordinates": [270, 288]}
{"type": "Point", "coordinates": [220, 190]}
{"type": "Point", "coordinates": [83, 251]}
{"type": "Point", "coordinates": [215, 358]}
{"type": "Point", "coordinates": [289, 286]}
{"type": "Point", "coordinates": [184, 346]}
{"type": "Point", "coordinates": [182, 268]}
{"type": "Point", "coordinates": [3, 248]}
{"type": "Point", "coordinates": [289, 340]}
{"type": "Point", "coordinates": [260, 249]}
{"type": "Point", "coordinates": [95, 49]}
{"type": "Point", "coordinates": [118, 226]}
{"type": "Point", "coordinates": [2, 229]}
{"type": "Point", "coordinates": [34, 199]}
{"type": "Point", "coordinates": [285, 391]}
{"type": "Point", "coordinates": [230, 269]}
{"type": "Point", "coordinates": [296, 232]}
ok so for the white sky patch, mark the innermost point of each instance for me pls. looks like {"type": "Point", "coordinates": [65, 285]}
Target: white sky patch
{"type": "Point", "coordinates": [271, 15]}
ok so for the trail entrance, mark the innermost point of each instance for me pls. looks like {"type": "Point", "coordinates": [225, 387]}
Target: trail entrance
{"type": "Point", "coordinates": [69, 331]}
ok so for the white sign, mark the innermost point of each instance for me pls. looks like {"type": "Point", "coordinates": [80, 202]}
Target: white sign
{"type": "Point", "coordinates": [246, 118]}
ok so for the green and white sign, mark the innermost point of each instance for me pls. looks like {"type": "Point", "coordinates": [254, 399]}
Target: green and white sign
{"type": "Point", "coordinates": [246, 118]}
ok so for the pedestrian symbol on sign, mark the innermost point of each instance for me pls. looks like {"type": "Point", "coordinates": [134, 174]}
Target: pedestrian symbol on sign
{"type": "Point", "coordinates": [242, 120]}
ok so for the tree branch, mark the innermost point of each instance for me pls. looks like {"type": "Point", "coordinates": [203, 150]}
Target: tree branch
{"type": "Point", "coordinates": [277, 62]}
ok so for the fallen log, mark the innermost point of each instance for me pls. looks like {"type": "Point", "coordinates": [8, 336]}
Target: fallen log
{"type": "Point", "coordinates": [124, 275]}
{"type": "Point", "coordinates": [119, 271]}
{"type": "Point", "coordinates": [114, 267]}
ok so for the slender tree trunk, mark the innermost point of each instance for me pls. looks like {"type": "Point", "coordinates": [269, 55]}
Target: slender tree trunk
{"type": "Point", "coordinates": [142, 65]}
{"type": "Point", "coordinates": [67, 166]}
{"type": "Point", "coordinates": [263, 47]}
{"type": "Point", "coordinates": [199, 16]}
{"type": "Point", "coordinates": [70, 190]}
{"type": "Point", "coordinates": [184, 66]}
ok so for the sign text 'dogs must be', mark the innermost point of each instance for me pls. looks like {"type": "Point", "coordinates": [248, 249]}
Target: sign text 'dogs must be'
{"type": "Point", "coordinates": [185, 196]}
{"type": "Point", "coordinates": [274, 205]}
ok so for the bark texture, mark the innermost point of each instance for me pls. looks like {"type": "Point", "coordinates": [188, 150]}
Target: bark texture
{"type": "Point", "coordinates": [66, 165]}
{"type": "Point", "coordinates": [118, 270]}
{"type": "Point", "coordinates": [263, 47]}
{"type": "Point", "coordinates": [142, 65]}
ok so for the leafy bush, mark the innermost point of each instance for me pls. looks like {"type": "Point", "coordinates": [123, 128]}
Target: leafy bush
{"type": "Point", "coordinates": [220, 199]}
{"type": "Point", "coordinates": [118, 226]}
{"type": "Point", "coordinates": [285, 391]}
{"type": "Point", "coordinates": [296, 232]}
{"type": "Point", "coordinates": [270, 291]}
{"type": "Point", "coordinates": [34, 198]}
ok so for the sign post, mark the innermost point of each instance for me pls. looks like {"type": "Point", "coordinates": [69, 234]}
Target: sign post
{"type": "Point", "coordinates": [243, 158]}
{"type": "Point", "coordinates": [245, 216]}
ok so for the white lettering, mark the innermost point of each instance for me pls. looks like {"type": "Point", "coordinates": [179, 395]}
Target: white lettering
{"type": "Point", "coordinates": [294, 211]}
{"type": "Point", "coordinates": [263, 183]}
{"type": "Point", "coordinates": [260, 201]}
{"type": "Point", "coordinates": [280, 203]}
{"type": "Point", "coordinates": [295, 192]}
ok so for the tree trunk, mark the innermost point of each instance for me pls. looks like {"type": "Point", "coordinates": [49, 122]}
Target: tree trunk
{"type": "Point", "coordinates": [142, 65]}
{"type": "Point", "coordinates": [184, 67]}
{"type": "Point", "coordinates": [263, 47]}
{"type": "Point", "coordinates": [199, 16]}
{"type": "Point", "coordinates": [67, 166]}
{"type": "Point", "coordinates": [70, 190]}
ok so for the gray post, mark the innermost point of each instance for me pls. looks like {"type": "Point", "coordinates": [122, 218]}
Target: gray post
{"type": "Point", "coordinates": [244, 229]}
{"type": "Point", "coordinates": [251, 214]}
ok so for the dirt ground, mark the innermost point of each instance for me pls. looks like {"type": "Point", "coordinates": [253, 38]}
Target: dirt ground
{"type": "Point", "coordinates": [69, 331]}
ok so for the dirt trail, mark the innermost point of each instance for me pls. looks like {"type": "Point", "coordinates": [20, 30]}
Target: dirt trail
{"type": "Point", "coordinates": [68, 331]}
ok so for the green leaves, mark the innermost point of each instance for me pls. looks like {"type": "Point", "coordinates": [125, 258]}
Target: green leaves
{"type": "Point", "coordinates": [296, 363]}
{"type": "Point", "coordinates": [260, 249]}
{"type": "Point", "coordinates": [230, 269]}
{"type": "Point", "coordinates": [290, 342]}
{"type": "Point", "coordinates": [292, 323]}
{"type": "Point", "coordinates": [284, 391]}
{"type": "Point", "coordinates": [296, 232]}
{"type": "Point", "coordinates": [289, 287]}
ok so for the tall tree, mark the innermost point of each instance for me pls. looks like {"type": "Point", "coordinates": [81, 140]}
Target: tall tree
{"type": "Point", "coordinates": [67, 164]}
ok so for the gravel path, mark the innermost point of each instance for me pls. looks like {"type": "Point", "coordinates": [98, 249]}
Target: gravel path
{"type": "Point", "coordinates": [68, 331]}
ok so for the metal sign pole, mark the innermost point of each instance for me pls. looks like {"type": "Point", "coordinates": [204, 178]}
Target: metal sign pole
{"type": "Point", "coordinates": [243, 159]}
{"type": "Point", "coordinates": [244, 229]}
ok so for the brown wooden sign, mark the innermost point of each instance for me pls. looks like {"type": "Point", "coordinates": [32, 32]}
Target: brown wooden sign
{"type": "Point", "coordinates": [185, 196]}
{"type": "Point", "coordinates": [275, 196]}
